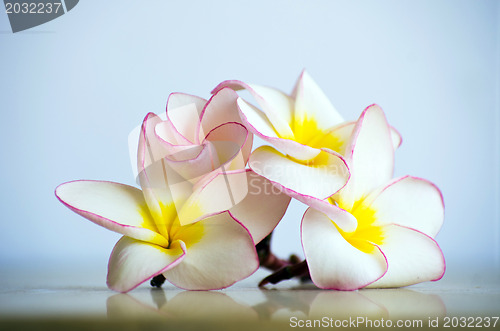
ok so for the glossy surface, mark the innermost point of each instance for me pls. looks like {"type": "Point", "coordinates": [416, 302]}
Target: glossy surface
{"type": "Point", "coordinates": [60, 299]}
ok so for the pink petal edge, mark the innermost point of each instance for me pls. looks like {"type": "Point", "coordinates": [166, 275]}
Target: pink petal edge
{"type": "Point", "coordinates": [439, 247]}
{"type": "Point", "coordinates": [170, 266]}
{"type": "Point", "coordinates": [299, 196]}
{"type": "Point", "coordinates": [168, 118]}
{"type": "Point", "coordinates": [85, 212]}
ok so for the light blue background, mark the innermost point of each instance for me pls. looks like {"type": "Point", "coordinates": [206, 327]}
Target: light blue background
{"type": "Point", "coordinates": [72, 89]}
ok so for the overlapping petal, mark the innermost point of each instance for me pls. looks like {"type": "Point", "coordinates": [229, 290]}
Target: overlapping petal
{"type": "Point", "coordinates": [183, 111]}
{"type": "Point", "coordinates": [299, 127]}
{"type": "Point", "coordinates": [251, 199]}
{"type": "Point", "coordinates": [333, 262]}
{"type": "Point", "coordinates": [133, 262]}
{"type": "Point", "coordinates": [260, 126]}
{"type": "Point", "coordinates": [412, 256]}
{"type": "Point", "coordinates": [262, 208]}
{"type": "Point", "coordinates": [221, 140]}
{"type": "Point", "coordinates": [343, 219]}
{"type": "Point", "coordinates": [277, 107]}
{"type": "Point", "coordinates": [411, 202]}
{"type": "Point", "coordinates": [223, 148]}
{"type": "Point", "coordinates": [216, 194]}
{"type": "Point", "coordinates": [231, 256]}
{"type": "Point", "coordinates": [337, 137]}
{"type": "Point", "coordinates": [221, 109]}
{"type": "Point", "coordinates": [176, 150]}
{"type": "Point", "coordinates": [321, 177]}
{"type": "Point", "coordinates": [232, 144]}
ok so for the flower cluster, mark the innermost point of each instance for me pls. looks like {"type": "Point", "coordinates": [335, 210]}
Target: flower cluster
{"type": "Point", "coordinates": [205, 200]}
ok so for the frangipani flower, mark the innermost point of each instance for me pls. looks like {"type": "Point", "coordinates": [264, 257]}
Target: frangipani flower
{"type": "Point", "coordinates": [176, 226]}
{"type": "Point", "coordinates": [396, 220]}
{"type": "Point", "coordinates": [308, 131]}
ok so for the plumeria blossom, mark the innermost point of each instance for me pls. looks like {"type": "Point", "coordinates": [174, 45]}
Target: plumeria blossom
{"type": "Point", "coordinates": [196, 224]}
{"type": "Point", "coordinates": [205, 147]}
{"type": "Point", "coordinates": [396, 220]}
{"type": "Point", "coordinates": [308, 135]}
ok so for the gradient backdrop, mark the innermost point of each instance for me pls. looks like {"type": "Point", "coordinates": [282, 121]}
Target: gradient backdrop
{"type": "Point", "coordinates": [71, 91]}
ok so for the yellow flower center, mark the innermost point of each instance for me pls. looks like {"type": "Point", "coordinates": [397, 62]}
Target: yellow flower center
{"type": "Point", "coordinates": [367, 233]}
{"type": "Point", "coordinates": [306, 131]}
{"type": "Point", "coordinates": [167, 224]}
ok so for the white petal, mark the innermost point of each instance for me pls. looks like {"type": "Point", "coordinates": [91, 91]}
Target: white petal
{"type": "Point", "coordinates": [222, 255]}
{"type": "Point", "coordinates": [321, 178]}
{"type": "Point", "coordinates": [412, 258]}
{"type": "Point", "coordinates": [412, 202]}
{"type": "Point", "coordinates": [370, 155]}
{"type": "Point", "coordinates": [397, 140]}
{"type": "Point", "coordinates": [312, 103]}
{"type": "Point", "coordinates": [333, 262]}
{"type": "Point", "coordinates": [341, 135]}
{"type": "Point", "coordinates": [117, 207]}
{"type": "Point", "coordinates": [133, 262]}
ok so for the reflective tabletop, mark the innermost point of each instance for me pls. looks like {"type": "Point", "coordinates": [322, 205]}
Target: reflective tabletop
{"type": "Point", "coordinates": [39, 299]}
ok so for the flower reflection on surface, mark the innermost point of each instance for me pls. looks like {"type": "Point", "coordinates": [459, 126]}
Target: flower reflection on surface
{"type": "Point", "coordinates": [387, 304]}
{"type": "Point", "coordinates": [193, 305]}
{"type": "Point", "coordinates": [274, 305]}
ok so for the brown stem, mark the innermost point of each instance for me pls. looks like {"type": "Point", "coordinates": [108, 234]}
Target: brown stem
{"type": "Point", "coordinates": [296, 270]}
{"type": "Point", "coordinates": [266, 258]}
